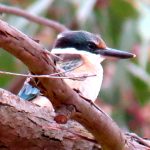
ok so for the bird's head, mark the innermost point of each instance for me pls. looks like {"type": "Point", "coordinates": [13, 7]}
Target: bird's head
{"type": "Point", "coordinates": [83, 42]}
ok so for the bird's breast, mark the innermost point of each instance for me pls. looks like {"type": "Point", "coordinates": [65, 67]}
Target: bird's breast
{"type": "Point", "coordinates": [89, 87]}
{"type": "Point", "coordinates": [81, 63]}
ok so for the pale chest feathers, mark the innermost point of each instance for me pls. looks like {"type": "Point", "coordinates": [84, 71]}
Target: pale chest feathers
{"type": "Point", "coordinates": [89, 87]}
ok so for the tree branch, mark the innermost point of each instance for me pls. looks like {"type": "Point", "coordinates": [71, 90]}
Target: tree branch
{"type": "Point", "coordinates": [106, 132]}
{"type": "Point", "coordinates": [31, 54]}
{"type": "Point", "coordinates": [24, 125]}
{"type": "Point", "coordinates": [47, 22]}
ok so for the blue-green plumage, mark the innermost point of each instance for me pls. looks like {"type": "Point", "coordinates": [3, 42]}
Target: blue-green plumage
{"type": "Point", "coordinates": [28, 92]}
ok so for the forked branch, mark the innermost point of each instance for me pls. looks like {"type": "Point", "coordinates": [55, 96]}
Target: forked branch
{"type": "Point", "coordinates": [32, 55]}
{"type": "Point", "coordinates": [103, 128]}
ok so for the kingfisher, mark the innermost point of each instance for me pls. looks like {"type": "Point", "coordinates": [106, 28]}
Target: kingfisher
{"type": "Point", "coordinates": [81, 54]}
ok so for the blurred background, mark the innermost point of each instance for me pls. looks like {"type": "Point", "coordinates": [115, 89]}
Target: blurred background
{"type": "Point", "coordinates": [123, 24]}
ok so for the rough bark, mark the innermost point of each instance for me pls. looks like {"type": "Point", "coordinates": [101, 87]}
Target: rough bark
{"type": "Point", "coordinates": [103, 128]}
{"type": "Point", "coordinates": [24, 125]}
{"type": "Point", "coordinates": [32, 55]}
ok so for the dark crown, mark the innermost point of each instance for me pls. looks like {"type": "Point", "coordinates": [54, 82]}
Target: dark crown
{"type": "Point", "coordinates": [81, 40]}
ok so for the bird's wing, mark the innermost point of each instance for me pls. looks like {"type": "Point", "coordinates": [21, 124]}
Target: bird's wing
{"type": "Point", "coordinates": [28, 91]}
{"type": "Point", "coordinates": [66, 63]}
{"type": "Point", "coordinates": [69, 62]}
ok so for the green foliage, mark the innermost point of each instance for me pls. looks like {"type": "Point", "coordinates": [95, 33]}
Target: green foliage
{"type": "Point", "coordinates": [7, 62]}
{"type": "Point", "coordinates": [119, 11]}
{"type": "Point", "coordinates": [142, 90]}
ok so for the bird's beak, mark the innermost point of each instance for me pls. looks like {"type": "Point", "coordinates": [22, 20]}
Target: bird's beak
{"type": "Point", "coordinates": [109, 52]}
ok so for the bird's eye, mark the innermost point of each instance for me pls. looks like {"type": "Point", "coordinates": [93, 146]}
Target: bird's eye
{"type": "Point", "coordinates": [91, 45]}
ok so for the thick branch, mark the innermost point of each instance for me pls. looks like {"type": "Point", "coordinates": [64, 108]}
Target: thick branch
{"type": "Point", "coordinates": [24, 125]}
{"type": "Point", "coordinates": [31, 53]}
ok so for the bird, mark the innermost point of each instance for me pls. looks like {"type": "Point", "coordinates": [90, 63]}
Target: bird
{"type": "Point", "coordinates": [80, 55]}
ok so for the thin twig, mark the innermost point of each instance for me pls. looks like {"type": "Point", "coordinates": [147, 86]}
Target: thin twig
{"type": "Point", "coordinates": [47, 22]}
{"type": "Point", "coordinates": [46, 76]}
